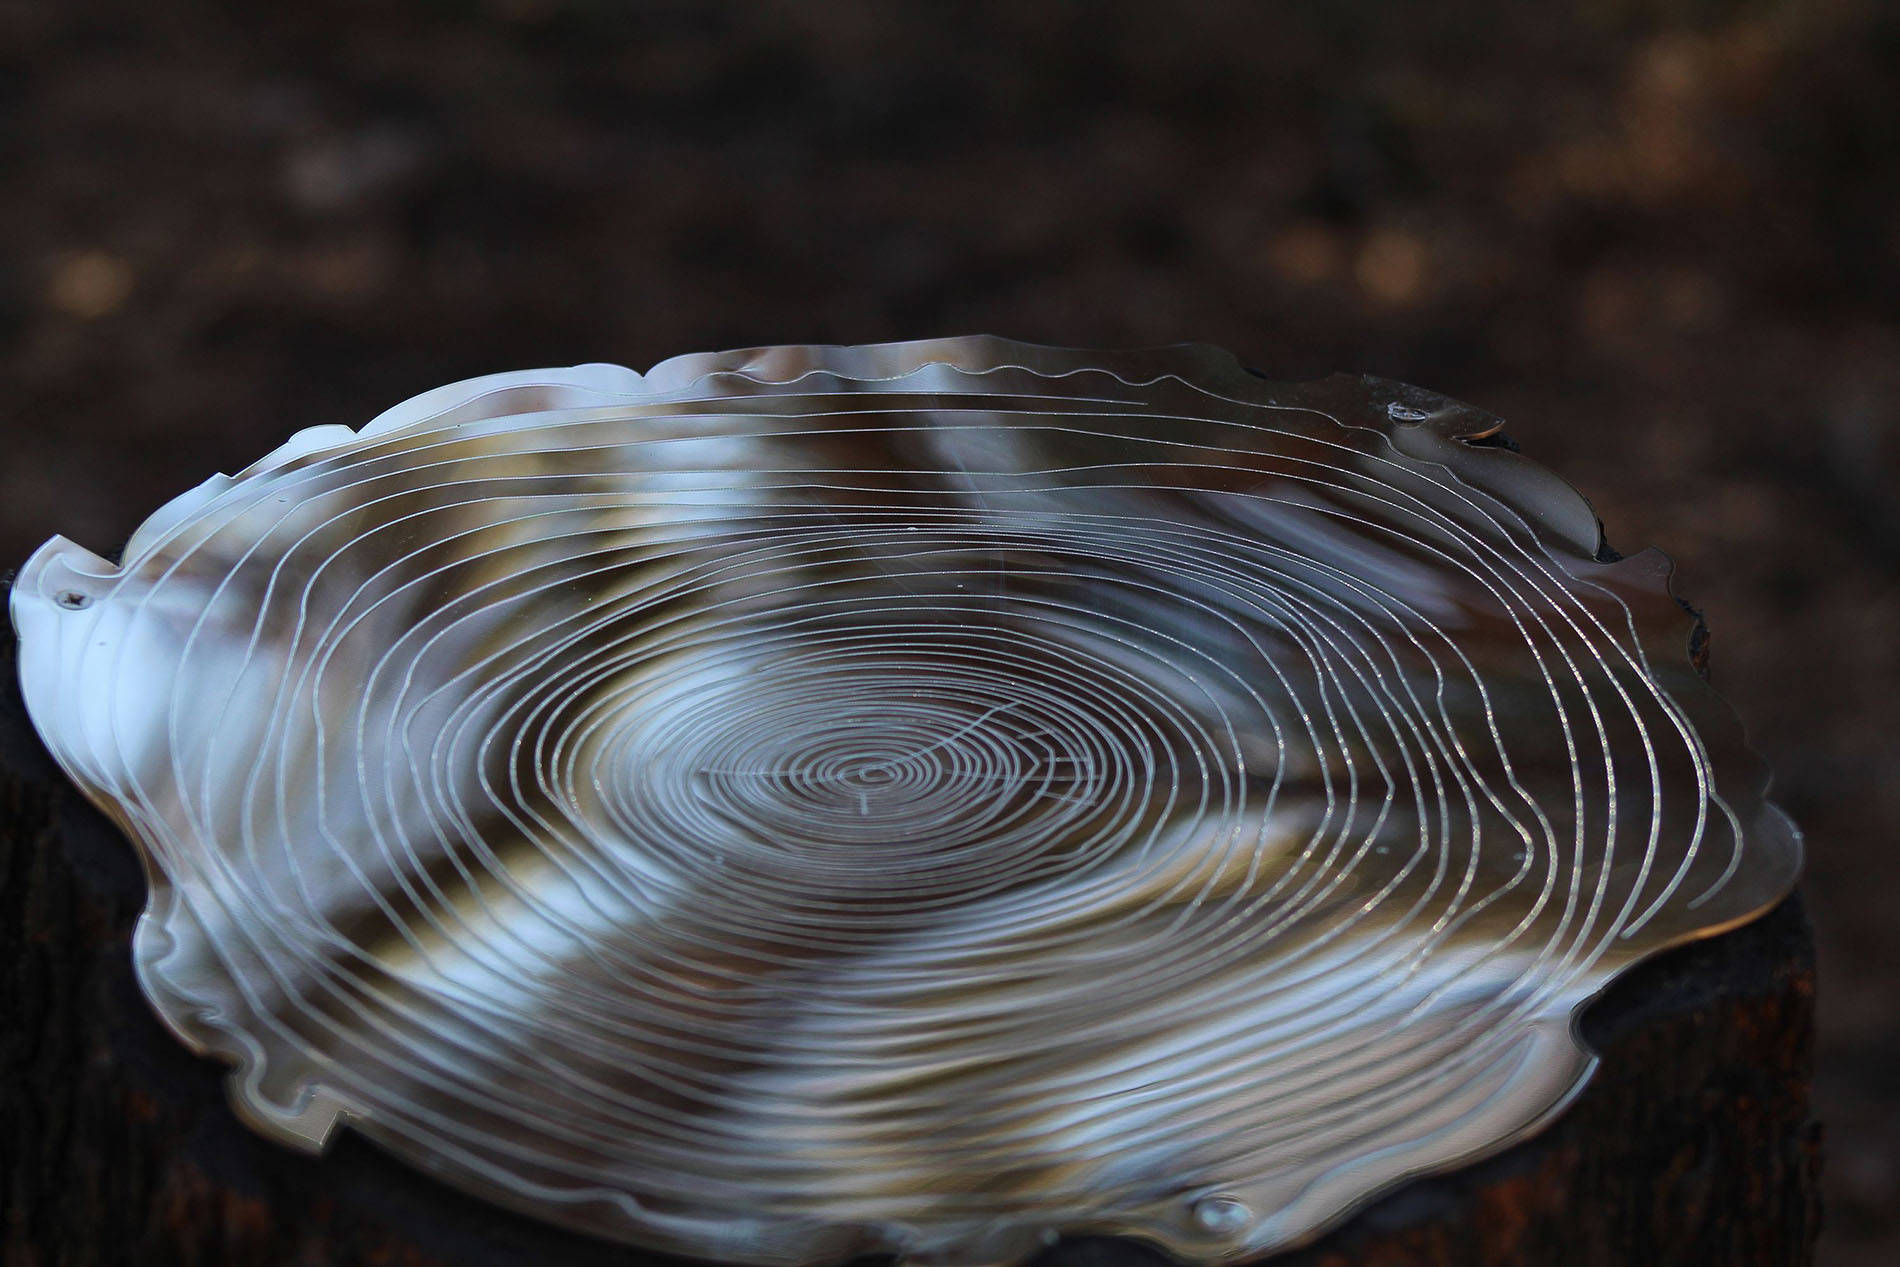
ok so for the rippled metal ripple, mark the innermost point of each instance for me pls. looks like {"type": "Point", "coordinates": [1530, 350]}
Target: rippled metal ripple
{"type": "Point", "coordinates": [925, 797]}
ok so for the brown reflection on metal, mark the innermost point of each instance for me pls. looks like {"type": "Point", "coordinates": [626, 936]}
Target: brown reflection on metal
{"type": "Point", "coordinates": [925, 797]}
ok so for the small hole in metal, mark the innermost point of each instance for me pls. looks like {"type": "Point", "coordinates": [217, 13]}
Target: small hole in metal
{"type": "Point", "coordinates": [1405, 413]}
{"type": "Point", "coordinates": [1222, 1214]}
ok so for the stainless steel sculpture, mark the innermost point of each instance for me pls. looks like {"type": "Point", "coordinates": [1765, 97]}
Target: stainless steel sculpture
{"type": "Point", "coordinates": [926, 798]}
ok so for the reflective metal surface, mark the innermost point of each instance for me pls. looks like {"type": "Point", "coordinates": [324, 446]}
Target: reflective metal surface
{"type": "Point", "coordinates": [926, 798]}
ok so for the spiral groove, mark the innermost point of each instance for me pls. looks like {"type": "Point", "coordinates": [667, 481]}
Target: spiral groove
{"type": "Point", "coordinates": [923, 798]}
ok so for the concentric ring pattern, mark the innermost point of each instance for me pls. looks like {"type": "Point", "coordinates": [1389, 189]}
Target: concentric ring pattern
{"type": "Point", "coordinates": [924, 798]}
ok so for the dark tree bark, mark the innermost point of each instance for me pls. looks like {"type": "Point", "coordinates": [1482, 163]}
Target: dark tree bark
{"type": "Point", "coordinates": [1692, 1145]}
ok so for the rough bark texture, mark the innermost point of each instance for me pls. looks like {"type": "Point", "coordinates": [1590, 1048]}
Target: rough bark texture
{"type": "Point", "coordinates": [1693, 1144]}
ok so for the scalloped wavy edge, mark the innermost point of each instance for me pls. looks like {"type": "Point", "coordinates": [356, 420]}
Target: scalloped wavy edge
{"type": "Point", "coordinates": [1423, 425]}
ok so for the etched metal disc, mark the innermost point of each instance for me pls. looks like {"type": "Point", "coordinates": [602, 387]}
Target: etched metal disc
{"type": "Point", "coordinates": [925, 798]}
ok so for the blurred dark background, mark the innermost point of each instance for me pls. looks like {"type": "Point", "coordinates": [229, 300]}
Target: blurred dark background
{"type": "Point", "coordinates": [1662, 238]}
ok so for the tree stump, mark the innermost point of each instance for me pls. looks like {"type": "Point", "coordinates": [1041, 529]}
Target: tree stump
{"type": "Point", "coordinates": [1692, 1144]}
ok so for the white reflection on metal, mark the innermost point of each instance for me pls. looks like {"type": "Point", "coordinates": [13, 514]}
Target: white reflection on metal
{"type": "Point", "coordinates": [808, 801]}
